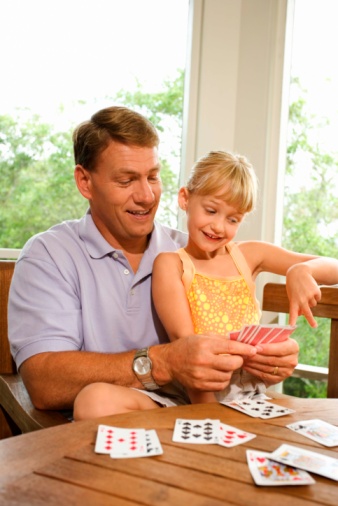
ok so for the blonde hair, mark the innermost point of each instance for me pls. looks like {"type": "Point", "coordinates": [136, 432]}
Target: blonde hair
{"type": "Point", "coordinates": [228, 176]}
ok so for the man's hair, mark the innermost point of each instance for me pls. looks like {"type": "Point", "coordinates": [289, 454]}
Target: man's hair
{"type": "Point", "coordinates": [116, 123]}
{"type": "Point", "coordinates": [225, 175]}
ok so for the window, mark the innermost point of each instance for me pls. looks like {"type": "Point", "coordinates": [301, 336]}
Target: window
{"type": "Point", "coordinates": [310, 196]}
{"type": "Point", "coordinates": [63, 61]}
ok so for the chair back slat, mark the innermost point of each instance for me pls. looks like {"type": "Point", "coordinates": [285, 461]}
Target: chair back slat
{"type": "Point", "coordinates": [7, 365]}
{"type": "Point", "coordinates": [275, 299]}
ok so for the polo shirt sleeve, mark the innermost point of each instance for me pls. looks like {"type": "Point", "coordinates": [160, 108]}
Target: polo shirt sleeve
{"type": "Point", "coordinates": [44, 312]}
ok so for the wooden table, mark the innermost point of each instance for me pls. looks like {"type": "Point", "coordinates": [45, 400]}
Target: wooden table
{"type": "Point", "coordinates": [58, 465]}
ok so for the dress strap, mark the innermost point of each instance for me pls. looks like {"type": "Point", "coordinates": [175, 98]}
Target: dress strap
{"type": "Point", "coordinates": [188, 268]}
{"type": "Point", "coordinates": [243, 268]}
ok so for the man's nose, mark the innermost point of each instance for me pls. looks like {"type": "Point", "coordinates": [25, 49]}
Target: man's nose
{"type": "Point", "coordinates": [144, 193]}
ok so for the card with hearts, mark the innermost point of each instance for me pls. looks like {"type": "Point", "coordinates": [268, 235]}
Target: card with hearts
{"type": "Point", "coordinates": [231, 436]}
{"type": "Point", "coordinates": [209, 432]}
{"type": "Point", "coordinates": [267, 472]}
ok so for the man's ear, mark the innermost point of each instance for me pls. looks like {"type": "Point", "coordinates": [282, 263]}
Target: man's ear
{"type": "Point", "coordinates": [83, 181]}
{"type": "Point", "coordinates": [183, 198]}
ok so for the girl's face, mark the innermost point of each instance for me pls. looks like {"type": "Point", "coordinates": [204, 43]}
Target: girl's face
{"type": "Point", "coordinates": [211, 222]}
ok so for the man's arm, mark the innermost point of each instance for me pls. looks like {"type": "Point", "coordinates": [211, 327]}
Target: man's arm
{"type": "Point", "coordinates": [53, 379]}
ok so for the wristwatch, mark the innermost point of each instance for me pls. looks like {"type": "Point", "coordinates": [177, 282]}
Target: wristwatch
{"type": "Point", "coordinates": [142, 366]}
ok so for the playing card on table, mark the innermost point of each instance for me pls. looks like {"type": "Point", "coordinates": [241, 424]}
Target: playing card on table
{"type": "Point", "coordinates": [196, 431]}
{"type": "Point", "coordinates": [317, 430]}
{"type": "Point", "coordinates": [120, 442]}
{"type": "Point", "coordinates": [231, 436]}
{"type": "Point", "coordinates": [271, 473]}
{"type": "Point", "coordinates": [258, 408]}
{"type": "Point", "coordinates": [309, 461]}
{"type": "Point", "coordinates": [153, 445]}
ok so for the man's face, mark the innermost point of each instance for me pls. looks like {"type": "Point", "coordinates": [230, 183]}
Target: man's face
{"type": "Point", "coordinates": [124, 193]}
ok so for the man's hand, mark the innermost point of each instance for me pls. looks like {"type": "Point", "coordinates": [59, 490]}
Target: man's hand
{"type": "Point", "coordinates": [274, 363]}
{"type": "Point", "coordinates": [204, 363]}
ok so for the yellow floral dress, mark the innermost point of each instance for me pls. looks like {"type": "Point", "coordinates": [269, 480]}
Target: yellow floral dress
{"type": "Point", "coordinates": [221, 305]}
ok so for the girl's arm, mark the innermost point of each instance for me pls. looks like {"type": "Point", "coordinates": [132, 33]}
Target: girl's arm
{"type": "Point", "coordinates": [303, 274]}
{"type": "Point", "coordinates": [169, 296]}
{"type": "Point", "coordinates": [172, 306]}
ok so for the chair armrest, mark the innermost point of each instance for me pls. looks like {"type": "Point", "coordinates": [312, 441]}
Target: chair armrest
{"type": "Point", "coordinates": [16, 403]}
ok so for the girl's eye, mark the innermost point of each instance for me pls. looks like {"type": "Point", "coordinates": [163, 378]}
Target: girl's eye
{"type": "Point", "coordinates": [210, 211]}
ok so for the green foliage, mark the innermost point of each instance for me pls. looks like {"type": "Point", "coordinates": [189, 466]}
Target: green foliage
{"type": "Point", "coordinates": [310, 215]}
{"type": "Point", "coordinates": [300, 387]}
{"type": "Point", "coordinates": [37, 187]}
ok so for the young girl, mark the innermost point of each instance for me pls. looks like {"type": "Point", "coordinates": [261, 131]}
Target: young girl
{"type": "Point", "coordinates": [208, 286]}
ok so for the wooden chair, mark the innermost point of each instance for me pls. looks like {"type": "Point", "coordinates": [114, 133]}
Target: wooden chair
{"type": "Point", "coordinates": [17, 413]}
{"type": "Point", "coordinates": [275, 299]}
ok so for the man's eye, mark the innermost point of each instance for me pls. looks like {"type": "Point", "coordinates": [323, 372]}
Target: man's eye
{"type": "Point", "coordinates": [125, 182]}
{"type": "Point", "coordinates": [154, 179]}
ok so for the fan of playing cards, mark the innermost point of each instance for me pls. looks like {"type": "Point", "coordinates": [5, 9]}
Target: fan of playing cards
{"type": "Point", "coordinates": [259, 334]}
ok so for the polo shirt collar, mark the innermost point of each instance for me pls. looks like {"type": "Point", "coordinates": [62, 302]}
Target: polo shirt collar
{"type": "Point", "coordinates": [98, 247]}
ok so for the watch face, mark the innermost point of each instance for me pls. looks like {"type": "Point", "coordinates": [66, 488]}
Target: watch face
{"type": "Point", "coordinates": [142, 365]}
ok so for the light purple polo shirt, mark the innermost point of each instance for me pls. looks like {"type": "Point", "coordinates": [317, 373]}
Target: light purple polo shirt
{"type": "Point", "coordinates": [72, 291]}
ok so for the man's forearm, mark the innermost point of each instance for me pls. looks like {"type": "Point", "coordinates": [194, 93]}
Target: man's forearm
{"type": "Point", "coordinates": [54, 379]}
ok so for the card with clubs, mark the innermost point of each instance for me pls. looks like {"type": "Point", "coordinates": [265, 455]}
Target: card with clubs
{"type": "Point", "coordinates": [313, 462]}
{"type": "Point", "coordinates": [317, 430]}
{"type": "Point", "coordinates": [267, 472]}
{"type": "Point", "coordinates": [259, 408]}
{"type": "Point", "coordinates": [153, 445]}
{"type": "Point", "coordinates": [196, 431]}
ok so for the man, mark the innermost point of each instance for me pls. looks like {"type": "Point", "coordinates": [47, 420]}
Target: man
{"type": "Point", "coordinates": [80, 309]}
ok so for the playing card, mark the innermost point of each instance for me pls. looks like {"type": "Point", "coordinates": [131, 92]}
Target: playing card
{"type": "Point", "coordinates": [153, 445]}
{"type": "Point", "coordinates": [230, 436]}
{"type": "Point", "coordinates": [271, 473]}
{"type": "Point", "coordinates": [317, 430]}
{"type": "Point", "coordinates": [239, 407]}
{"type": "Point", "coordinates": [104, 438]}
{"type": "Point", "coordinates": [117, 441]}
{"type": "Point", "coordinates": [265, 333]}
{"type": "Point", "coordinates": [259, 408]}
{"type": "Point", "coordinates": [196, 431]}
{"type": "Point", "coordinates": [309, 461]}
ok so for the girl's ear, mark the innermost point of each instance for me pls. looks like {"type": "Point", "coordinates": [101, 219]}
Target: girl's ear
{"type": "Point", "coordinates": [183, 198]}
